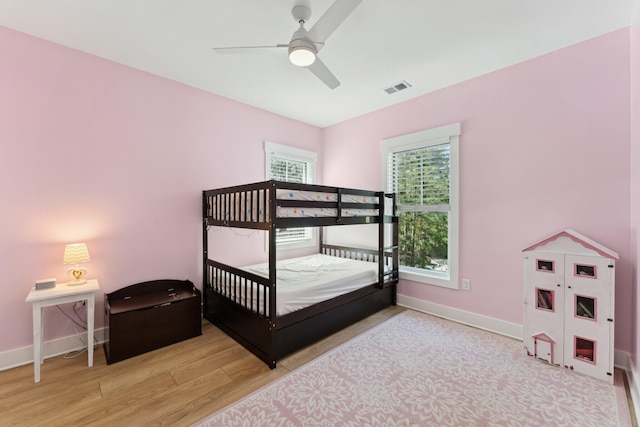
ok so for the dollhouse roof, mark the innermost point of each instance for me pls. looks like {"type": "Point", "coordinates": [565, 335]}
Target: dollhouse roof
{"type": "Point", "coordinates": [544, 337]}
{"type": "Point", "coordinates": [570, 241]}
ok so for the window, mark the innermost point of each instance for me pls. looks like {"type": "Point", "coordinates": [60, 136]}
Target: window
{"type": "Point", "coordinates": [291, 165]}
{"type": "Point", "coordinates": [422, 169]}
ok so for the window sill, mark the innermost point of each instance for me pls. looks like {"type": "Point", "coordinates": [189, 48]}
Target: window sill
{"type": "Point", "coordinates": [442, 280]}
{"type": "Point", "coordinates": [300, 244]}
{"type": "Point", "coordinates": [295, 245]}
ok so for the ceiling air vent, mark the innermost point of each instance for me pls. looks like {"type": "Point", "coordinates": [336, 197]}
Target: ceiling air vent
{"type": "Point", "coordinates": [397, 87]}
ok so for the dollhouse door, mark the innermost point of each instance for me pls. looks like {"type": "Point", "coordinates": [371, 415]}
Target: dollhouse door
{"type": "Point", "coordinates": [544, 304]}
{"type": "Point", "coordinates": [589, 313]}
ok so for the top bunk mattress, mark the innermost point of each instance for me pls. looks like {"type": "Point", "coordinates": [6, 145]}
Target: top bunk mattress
{"type": "Point", "coordinates": [295, 212]}
{"type": "Point", "coordinates": [286, 194]}
{"type": "Point", "coordinates": [304, 281]}
{"type": "Point", "coordinates": [245, 205]}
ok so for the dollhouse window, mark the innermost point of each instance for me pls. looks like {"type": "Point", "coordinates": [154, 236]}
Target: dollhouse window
{"type": "Point", "coordinates": [585, 307]}
{"type": "Point", "coordinates": [544, 265]}
{"type": "Point", "coordinates": [582, 270]}
{"type": "Point", "coordinates": [544, 299]}
{"type": "Point", "coordinates": [585, 350]}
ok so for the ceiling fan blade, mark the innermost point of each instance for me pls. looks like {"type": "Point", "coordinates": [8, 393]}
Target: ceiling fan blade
{"type": "Point", "coordinates": [249, 49]}
{"type": "Point", "coordinates": [331, 20]}
{"type": "Point", "coordinates": [322, 72]}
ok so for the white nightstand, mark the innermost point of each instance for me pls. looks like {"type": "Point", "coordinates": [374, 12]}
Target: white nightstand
{"type": "Point", "coordinates": [61, 294]}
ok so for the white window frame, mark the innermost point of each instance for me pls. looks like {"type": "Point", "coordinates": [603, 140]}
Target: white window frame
{"type": "Point", "coordinates": [296, 154]}
{"type": "Point", "coordinates": [426, 138]}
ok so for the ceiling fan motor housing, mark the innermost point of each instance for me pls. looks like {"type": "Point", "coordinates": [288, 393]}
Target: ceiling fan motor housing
{"type": "Point", "coordinates": [300, 13]}
{"type": "Point", "coordinates": [302, 51]}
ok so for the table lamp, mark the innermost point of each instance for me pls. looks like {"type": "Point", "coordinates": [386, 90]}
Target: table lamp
{"type": "Point", "coordinates": [76, 253]}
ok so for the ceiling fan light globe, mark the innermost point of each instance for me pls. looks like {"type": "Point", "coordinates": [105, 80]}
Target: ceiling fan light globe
{"type": "Point", "coordinates": [302, 56]}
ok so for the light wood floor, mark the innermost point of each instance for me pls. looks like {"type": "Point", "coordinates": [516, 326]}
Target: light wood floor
{"type": "Point", "coordinates": [176, 385]}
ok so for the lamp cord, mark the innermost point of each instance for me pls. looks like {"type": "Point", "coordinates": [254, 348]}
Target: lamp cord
{"type": "Point", "coordinates": [78, 321]}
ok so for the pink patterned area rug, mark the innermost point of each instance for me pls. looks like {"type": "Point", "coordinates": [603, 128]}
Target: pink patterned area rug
{"type": "Point", "coordinates": [419, 370]}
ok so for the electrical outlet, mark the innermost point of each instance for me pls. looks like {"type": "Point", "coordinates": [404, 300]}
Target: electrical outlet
{"type": "Point", "coordinates": [466, 284]}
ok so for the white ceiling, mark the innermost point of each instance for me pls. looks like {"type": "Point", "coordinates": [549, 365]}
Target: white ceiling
{"type": "Point", "coordinates": [429, 43]}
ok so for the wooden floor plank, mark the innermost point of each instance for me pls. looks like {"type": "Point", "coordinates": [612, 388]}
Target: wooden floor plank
{"type": "Point", "coordinates": [221, 358]}
{"type": "Point", "coordinates": [27, 409]}
{"type": "Point", "coordinates": [113, 406]}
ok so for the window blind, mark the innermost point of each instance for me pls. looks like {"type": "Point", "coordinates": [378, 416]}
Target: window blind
{"type": "Point", "coordinates": [290, 171]}
{"type": "Point", "coordinates": [421, 178]}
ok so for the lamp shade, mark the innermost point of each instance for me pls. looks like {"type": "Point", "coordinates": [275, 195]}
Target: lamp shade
{"type": "Point", "coordinates": [76, 253]}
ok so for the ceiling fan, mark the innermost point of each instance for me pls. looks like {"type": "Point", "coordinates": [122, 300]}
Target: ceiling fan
{"type": "Point", "coordinates": [304, 45]}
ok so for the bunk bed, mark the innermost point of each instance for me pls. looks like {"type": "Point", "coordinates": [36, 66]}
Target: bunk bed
{"type": "Point", "coordinates": [243, 302]}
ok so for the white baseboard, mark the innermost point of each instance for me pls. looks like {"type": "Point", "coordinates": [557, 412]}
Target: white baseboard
{"type": "Point", "coordinates": [491, 324]}
{"type": "Point", "coordinates": [634, 384]}
{"type": "Point", "coordinates": [24, 356]}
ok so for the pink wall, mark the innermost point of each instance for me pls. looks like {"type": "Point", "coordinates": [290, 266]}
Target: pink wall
{"type": "Point", "coordinates": [635, 185]}
{"type": "Point", "coordinates": [97, 152]}
{"type": "Point", "coordinates": [544, 147]}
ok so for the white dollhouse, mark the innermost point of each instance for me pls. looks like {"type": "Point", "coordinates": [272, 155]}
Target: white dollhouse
{"type": "Point", "coordinates": [569, 283]}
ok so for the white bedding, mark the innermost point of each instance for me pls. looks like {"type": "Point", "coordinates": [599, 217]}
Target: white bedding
{"type": "Point", "coordinates": [304, 281]}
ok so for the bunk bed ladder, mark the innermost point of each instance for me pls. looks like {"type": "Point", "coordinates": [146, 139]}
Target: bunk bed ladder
{"type": "Point", "coordinates": [395, 244]}
{"type": "Point", "coordinates": [390, 252]}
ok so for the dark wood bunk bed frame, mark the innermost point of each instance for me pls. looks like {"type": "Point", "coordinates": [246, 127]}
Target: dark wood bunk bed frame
{"type": "Point", "coordinates": [253, 321]}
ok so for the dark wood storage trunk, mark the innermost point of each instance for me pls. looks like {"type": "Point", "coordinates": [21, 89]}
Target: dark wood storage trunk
{"type": "Point", "coordinates": [150, 315]}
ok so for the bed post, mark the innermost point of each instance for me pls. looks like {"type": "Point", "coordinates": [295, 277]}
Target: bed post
{"type": "Point", "coordinates": [272, 272]}
{"type": "Point", "coordinates": [381, 222]}
{"type": "Point", "coordinates": [395, 243]}
{"type": "Point", "coordinates": [205, 249]}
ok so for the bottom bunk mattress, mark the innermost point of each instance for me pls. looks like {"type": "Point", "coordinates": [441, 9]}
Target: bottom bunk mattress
{"type": "Point", "coordinates": [304, 281]}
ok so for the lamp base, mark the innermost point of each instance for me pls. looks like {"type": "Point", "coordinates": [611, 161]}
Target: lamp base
{"type": "Point", "coordinates": [76, 274]}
